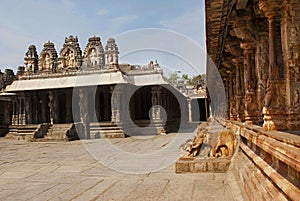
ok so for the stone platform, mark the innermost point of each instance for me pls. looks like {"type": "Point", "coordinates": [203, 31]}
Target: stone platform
{"type": "Point", "coordinates": [196, 165]}
{"type": "Point", "coordinates": [66, 171]}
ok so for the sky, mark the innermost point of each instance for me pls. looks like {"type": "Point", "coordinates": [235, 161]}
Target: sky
{"type": "Point", "coordinates": [174, 29]}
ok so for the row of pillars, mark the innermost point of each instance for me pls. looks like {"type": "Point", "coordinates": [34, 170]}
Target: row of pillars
{"type": "Point", "coordinates": [28, 110]}
{"type": "Point", "coordinates": [255, 102]}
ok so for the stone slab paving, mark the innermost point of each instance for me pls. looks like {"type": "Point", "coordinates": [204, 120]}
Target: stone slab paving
{"type": "Point", "coordinates": [67, 171]}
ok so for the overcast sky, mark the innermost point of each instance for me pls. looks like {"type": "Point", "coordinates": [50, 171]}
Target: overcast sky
{"type": "Point", "coordinates": [26, 22]}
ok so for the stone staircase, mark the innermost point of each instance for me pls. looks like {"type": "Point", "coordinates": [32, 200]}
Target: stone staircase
{"type": "Point", "coordinates": [22, 132]}
{"type": "Point", "coordinates": [105, 130]}
{"type": "Point", "coordinates": [57, 132]}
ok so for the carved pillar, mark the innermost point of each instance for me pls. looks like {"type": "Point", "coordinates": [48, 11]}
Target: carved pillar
{"type": "Point", "coordinates": [14, 120]}
{"type": "Point", "coordinates": [270, 8]}
{"type": "Point", "coordinates": [156, 103]}
{"type": "Point", "coordinates": [249, 82]}
{"type": "Point", "coordinates": [83, 104]}
{"type": "Point", "coordinates": [28, 109]}
{"type": "Point", "coordinates": [22, 115]}
{"type": "Point", "coordinates": [273, 67]}
{"type": "Point", "coordinates": [52, 107]}
{"type": "Point", "coordinates": [262, 68]}
{"type": "Point", "coordinates": [231, 97]}
{"type": "Point", "coordinates": [239, 94]}
{"type": "Point", "coordinates": [227, 97]}
{"type": "Point", "coordinates": [190, 109]}
{"type": "Point", "coordinates": [115, 105]}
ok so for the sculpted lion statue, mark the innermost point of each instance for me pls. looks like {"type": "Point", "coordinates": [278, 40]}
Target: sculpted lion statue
{"type": "Point", "coordinates": [192, 147]}
{"type": "Point", "coordinates": [226, 144]}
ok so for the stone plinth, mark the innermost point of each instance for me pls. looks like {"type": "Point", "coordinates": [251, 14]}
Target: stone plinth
{"type": "Point", "coordinates": [196, 165]}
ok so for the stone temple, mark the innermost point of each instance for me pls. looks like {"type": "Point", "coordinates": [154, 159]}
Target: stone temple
{"type": "Point", "coordinates": [253, 85]}
{"type": "Point", "coordinates": [54, 93]}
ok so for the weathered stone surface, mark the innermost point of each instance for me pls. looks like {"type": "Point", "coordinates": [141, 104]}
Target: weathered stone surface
{"type": "Point", "coordinates": [65, 171]}
{"type": "Point", "coordinates": [196, 165]}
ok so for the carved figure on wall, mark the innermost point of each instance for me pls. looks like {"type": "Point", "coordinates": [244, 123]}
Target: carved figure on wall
{"type": "Point", "coordinates": [269, 95]}
{"type": "Point", "coordinates": [296, 98]}
{"type": "Point", "coordinates": [250, 104]}
{"type": "Point", "coordinates": [72, 59]}
{"type": "Point", "coordinates": [226, 144]}
{"type": "Point", "coordinates": [47, 62]}
{"type": "Point", "coordinates": [69, 58]}
{"type": "Point", "coordinates": [29, 66]}
{"type": "Point", "coordinates": [93, 57]}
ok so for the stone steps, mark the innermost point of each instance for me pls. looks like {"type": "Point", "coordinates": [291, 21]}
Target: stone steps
{"type": "Point", "coordinates": [57, 132]}
{"type": "Point", "coordinates": [105, 130]}
{"type": "Point", "coordinates": [25, 132]}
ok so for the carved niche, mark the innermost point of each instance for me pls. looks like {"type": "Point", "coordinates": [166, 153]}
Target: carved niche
{"type": "Point", "coordinates": [48, 58]}
{"type": "Point", "coordinates": [94, 54]}
{"type": "Point", "coordinates": [70, 56]}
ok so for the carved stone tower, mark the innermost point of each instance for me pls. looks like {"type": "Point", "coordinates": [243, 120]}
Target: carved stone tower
{"type": "Point", "coordinates": [70, 56]}
{"type": "Point", "coordinates": [31, 60]}
{"type": "Point", "coordinates": [48, 58]}
{"type": "Point", "coordinates": [111, 54]}
{"type": "Point", "coordinates": [94, 54]}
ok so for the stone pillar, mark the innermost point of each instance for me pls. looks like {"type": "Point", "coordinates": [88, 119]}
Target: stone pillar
{"type": "Point", "coordinates": [28, 109]}
{"type": "Point", "coordinates": [226, 85]}
{"type": "Point", "coordinates": [84, 116]}
{"type": "Point", "coordinates": [270, 8]}
{"type": "Point", "coordinates": [43, 108]}
{"type": "Point", "coordinates": [52, 107]}
{"type": "Point", "coordinates": [156, 102]}
{"type": "Point", "coordinates": [231, 97]}
{"type": "Point", "coordinates": [238, 90]}
{"type": "Point", "coordinates": [115, 105]}
{"type": "Point", "coordinates": [262, 67]}
{"type": "Point", "coordinates": [22, 116]}
{"type": "Point", "coordinates": [125, 109]}
{"type": "Point", "coordinates": [14, 120]}
{"type": "Point", "coordinates": [190, 109]}
{"type": "Point", "coordinates": [97, 106]}
{"type": "Point", "coordinates": [273, 67]}
{"type": "Point", "coordinates": [250, 103]}
{"type": "Point", "coordinates": [69, 107]}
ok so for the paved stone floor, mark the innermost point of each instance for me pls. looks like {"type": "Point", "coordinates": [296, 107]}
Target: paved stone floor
{"type": "Point", "coordinates": [67, 171]}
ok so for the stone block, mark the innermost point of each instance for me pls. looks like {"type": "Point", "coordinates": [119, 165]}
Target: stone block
{"type": "Point", "coordinates": [196, 165]}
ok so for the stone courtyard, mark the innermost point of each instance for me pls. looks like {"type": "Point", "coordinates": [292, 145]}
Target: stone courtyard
{"type": "Point", "coordinates": [66, 171]}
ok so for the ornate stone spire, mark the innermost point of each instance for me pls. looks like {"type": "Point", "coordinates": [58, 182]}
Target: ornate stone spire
{"type": "Point", "coordinates": [94, 54]}
{"type": "Point", "coordinates": [111, 53]}
{"type": "Point", "coordinates": [31, 60]}
{"type": "Point", "coordinates": [70, 56]}
{"type": "Point", "coordinates": [48, 58]}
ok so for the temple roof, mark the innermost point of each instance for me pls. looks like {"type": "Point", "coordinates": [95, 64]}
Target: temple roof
{"type": "Point", "coordinates": [86, 80]}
